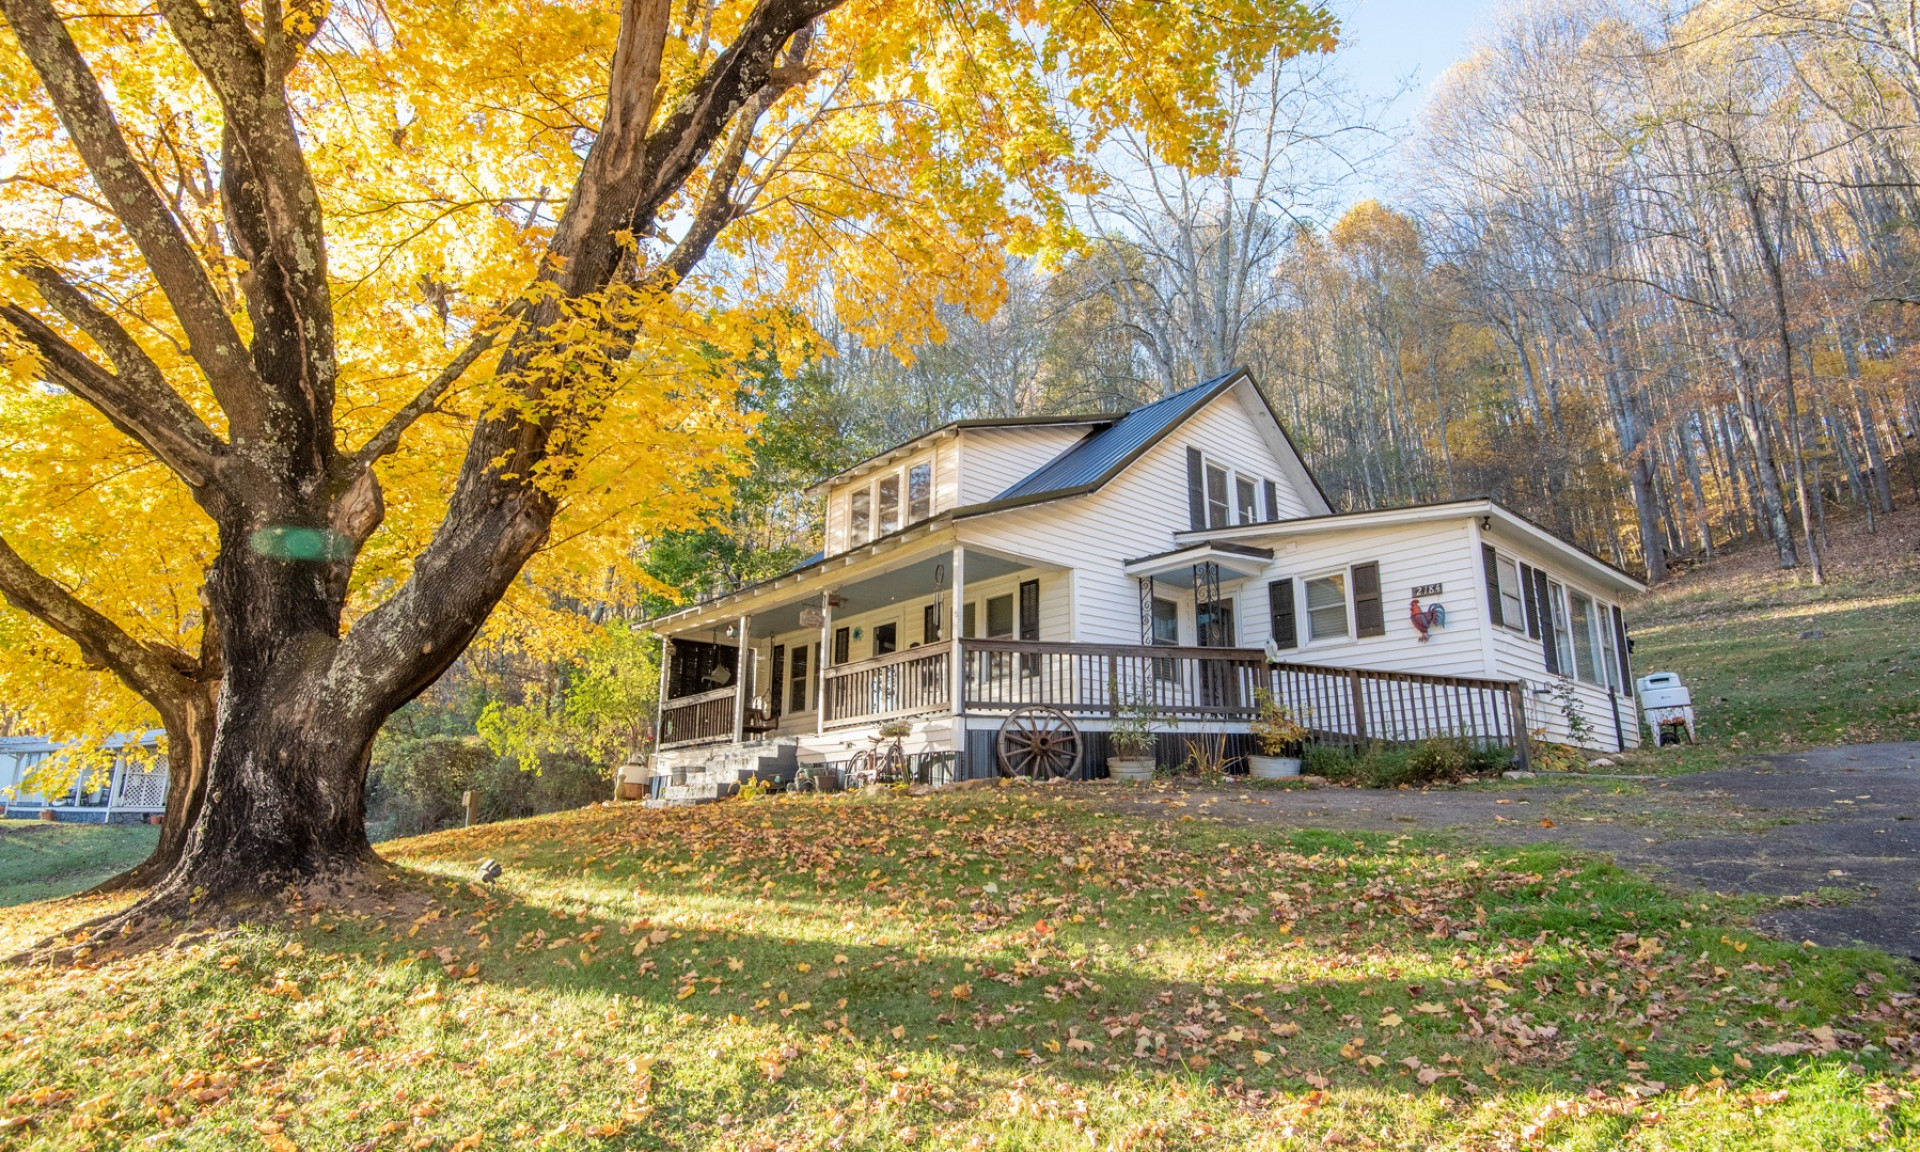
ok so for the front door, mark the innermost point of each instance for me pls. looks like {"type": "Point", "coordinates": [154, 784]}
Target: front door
{"type": "Point", "coordinates": [1219, 685]}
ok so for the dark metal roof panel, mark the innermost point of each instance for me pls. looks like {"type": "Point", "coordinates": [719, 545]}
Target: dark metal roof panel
{"type": "Point", "coordinates": [1107, 449]}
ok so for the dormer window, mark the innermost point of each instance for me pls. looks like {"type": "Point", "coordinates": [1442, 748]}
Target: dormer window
{"type": "Point", "coordinates": [889, 487]}
{"type": "Point", "coordinates": [919, 492]}
{"type": "Point", "coordinates": [887, 501]}
{"type": "Point", "coordinates": [859, 516]}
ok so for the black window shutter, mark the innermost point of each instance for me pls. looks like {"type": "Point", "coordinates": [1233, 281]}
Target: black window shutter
{"type": "Point", "coordinates": [1196, 489]}
{"type": "Point", "coordinates": [1273, 500]}
{"type": "Point", "coordinates": [1492, 563]}
{"type": "Point", "coordinates": [1030, 610]}
{"type": "Point", "coordinates": [841, 645]}
{"type": "Point", "coordinates": [1547, 646]}
{"type": "Point", "coordinates": [1533, 604]}
{"type": "Point", "coordinates": [1369, 617]}
{"type": "Point", "coordinates": [1620, 646]}
{"type": "Point", "coordinates": [779, 678]}
{"type": "Point", "coordinates": [1286, 632]}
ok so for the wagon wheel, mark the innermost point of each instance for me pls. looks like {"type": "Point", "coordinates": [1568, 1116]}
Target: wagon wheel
{"type": "Point", "coordinates": [1040, 742]}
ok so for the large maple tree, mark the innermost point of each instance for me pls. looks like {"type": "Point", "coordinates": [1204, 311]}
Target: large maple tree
{"type": "Point", "coordinates": [326, 328]}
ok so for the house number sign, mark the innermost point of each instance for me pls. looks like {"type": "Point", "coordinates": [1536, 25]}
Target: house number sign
{"type": "Point", "coordinates": [1420, 590]}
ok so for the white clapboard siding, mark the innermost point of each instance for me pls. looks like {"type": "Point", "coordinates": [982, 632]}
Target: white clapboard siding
{"type": "Point", "coordinates": [1135, 515]}
{"type": "Point", "coordinates": [993, 460]}
{"type": "Point", "coordinates": [1409, 556]}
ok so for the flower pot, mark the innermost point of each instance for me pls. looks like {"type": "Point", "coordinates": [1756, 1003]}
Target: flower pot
{"type": "Point", "coordinates": [1130, 767]}
{"type": "Point", "coordinates": [1273, 767]}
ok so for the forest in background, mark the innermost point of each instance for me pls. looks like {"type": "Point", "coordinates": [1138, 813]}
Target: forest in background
{"type": "Point", "coordinates": [1645, 274]}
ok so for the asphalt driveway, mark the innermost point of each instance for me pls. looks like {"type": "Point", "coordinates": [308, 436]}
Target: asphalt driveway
{"type": "Point", "coordinates": [1839, 825]}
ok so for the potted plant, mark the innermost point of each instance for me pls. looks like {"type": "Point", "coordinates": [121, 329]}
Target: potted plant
{"type": "Point", "coordinates": [1279, 736]}
{"type": "Point", "coordinates": [1130, 743]}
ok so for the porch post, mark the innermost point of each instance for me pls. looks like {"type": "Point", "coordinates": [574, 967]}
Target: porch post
{"type": "Point", "coordinates": [825, 661]}
{"type": "Point", "coordinates": [742, 664]}
{"type": "Point", "coordinates": [660, 708]}
{"type": "Point", "coordinates": [956, 616]}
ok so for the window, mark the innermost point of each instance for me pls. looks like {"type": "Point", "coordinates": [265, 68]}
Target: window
{"type": "Point", "coordinates": [1218, 514]}
{"type": "Point", "coordinates": [1513, 606]}
{"type": "Point", "coordinates": [859, 516]}
{"type": "Point", "coordinates": [842, 645]}
{"type": "Point", "coordinates": [1585, 651]}
{"type": "Point", "coordinates": [1327, 607]}
{"type": "Point", "coordinates": [889, 504]}
{"type": "Point", "coordinates": [1000, 617]}
{"type": "Point", "coordinates": [1562, 635]}
{"type": "Point", "coordinates": [797, 680]}
{"type": "Point", "coordinates": [1249, 494]}
{"type": "Point", "coordinates": [1609, 658]}
{"type": "Point", "coordinates": [930, 624]}
{"type": "Point", "coordinates": [1213, 624]}
{"type": "Point", "coordinates": [919, 492]}
{"type": "Point", "coordinates": [966, 621]}
{"type": "Point", "coordinates": [1166, 634]}
{"type": "Point", "coordinates": [886, 638]}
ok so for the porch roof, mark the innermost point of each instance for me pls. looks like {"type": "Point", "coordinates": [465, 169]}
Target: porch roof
{"type": "Point", "coordinates": [903, 565]}
{"type": "Point", "coordinates": [1235, 561]}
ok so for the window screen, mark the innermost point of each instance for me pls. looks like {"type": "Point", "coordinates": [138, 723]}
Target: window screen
{"type": "Point", "coordinates": [1327, 607]}
{"type": "Point", "coordinates": [797, 678]}
{"type": "Point", "coordinates": [1562, 635]}
{"type": "Point", "coordinates": [999, 617]}
{"type": "Point", "coordinates": [1249, 496]}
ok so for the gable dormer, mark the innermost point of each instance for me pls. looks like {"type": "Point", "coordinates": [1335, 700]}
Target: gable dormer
{"type": "Point", "coordinates": [967, 462]}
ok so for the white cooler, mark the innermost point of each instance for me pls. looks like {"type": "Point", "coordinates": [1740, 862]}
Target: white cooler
{"type": "Point", "coordinates": [1667, 705]}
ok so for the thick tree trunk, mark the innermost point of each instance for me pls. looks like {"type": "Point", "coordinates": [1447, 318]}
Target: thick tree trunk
{"type": "Point", "coordinates": [189, 724]}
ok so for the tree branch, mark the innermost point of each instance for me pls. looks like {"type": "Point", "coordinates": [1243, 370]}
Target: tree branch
{"type": "Point", "coordinates": [136, 401]}
{"type": "Point", "coordinates": [70, 84]}
{"type": "Point", "coordinates": [387, 439]}
{"type": "Point", "coordinates": [155, 671]}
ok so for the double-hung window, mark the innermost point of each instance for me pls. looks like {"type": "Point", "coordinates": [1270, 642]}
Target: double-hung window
{"type": "Point", "coordinates": [889, 489]}
{"type": "Point", "coordinates": [1327, 607]}
{"type": "Point", "coordinates": [1219, 513]}
{"type": "Point", "coordinates": [1513, 604]}
{"type": "Point", "coordinates": [1562, 631]}
{"type": "Point", "coordinates": [1249, 498]}
{"type": "Point", "coordinates": [859, 516]}
{"type": "Point", "coordinates": [1586, 652]}
{"type": "Point", "coordinates": [919, 493]}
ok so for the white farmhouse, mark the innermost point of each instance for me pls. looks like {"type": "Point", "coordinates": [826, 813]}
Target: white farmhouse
{"type": "Point", "coordinates": [1157, 558]}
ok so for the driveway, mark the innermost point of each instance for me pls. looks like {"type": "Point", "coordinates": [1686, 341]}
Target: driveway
{"type": "Point", "coordinates": [1842, 822]}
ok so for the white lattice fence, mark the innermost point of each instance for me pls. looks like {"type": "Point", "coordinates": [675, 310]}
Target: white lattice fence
{"type": "Point", "coordinates": [142, 787]}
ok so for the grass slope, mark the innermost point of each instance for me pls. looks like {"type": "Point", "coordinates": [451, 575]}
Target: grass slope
{"type": "Point", "coordinates": [1733, 628]}
{"type": "Point", "coordinates": [39, 860]}
{"type": "Point", "coordinates": [1012, 969]}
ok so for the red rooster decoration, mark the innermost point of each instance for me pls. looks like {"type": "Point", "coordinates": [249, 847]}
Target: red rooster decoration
{"type": "Point", "coordinates": [1427, 619]}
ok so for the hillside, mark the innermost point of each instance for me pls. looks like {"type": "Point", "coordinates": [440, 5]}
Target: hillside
{"type": "Point", "coordinates": [1017, 969]}
{"type": "Point", "coordinates": [1776, 663]}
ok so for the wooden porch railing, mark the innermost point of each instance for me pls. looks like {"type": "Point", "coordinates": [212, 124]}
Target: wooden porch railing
{"type": "Point", "coordinates": [898, 684]}
{"type": "Point", "coordinates": [698, 719]}
{"type": "Point", "coordinates": [1350, 707]}
{"type": "Point", "coordinates": [1097, 679]}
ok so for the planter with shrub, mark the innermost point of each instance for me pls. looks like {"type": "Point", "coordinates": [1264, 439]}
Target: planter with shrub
{"type": "Point", "coordinates": [1280, 737]}
{"type": "Point", "coordinates": [1130, 744]}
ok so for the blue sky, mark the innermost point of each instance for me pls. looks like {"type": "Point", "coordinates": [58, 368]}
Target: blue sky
{"type": "Point", "coordinates": [1390, 44]}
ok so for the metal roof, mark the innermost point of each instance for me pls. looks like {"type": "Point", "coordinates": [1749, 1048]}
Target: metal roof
{"type": "Point", "coordinates": [992, 422]}
{"type": "Point", "coordinates": [1107, 450]}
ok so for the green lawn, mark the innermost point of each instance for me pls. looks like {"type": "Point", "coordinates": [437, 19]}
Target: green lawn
{"type": "Point", "coordinates": [39, 861]}
{"type": "Point", "coordinates": [1733, 633]}
{"type": "Point", "coordinates": [1010, 969]}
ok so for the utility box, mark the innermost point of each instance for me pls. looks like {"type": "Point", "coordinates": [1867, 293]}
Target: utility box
{"type": "Point", "coordinates": [1668, 706]}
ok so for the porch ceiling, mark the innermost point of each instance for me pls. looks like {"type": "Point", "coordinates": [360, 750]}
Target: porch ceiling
{"type": "Point", "coordinates": [907, 582]}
